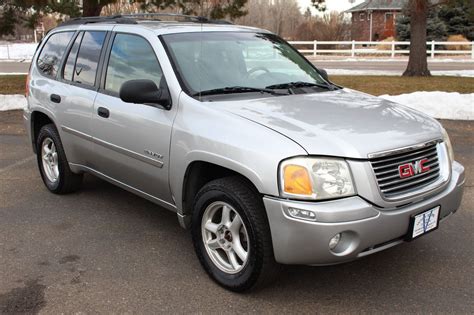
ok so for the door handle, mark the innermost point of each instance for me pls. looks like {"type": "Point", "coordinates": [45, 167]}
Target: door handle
{"type": "Point", "coordinates": [55, 98]}
{"type": "Point", "coordinates": [103, 112]}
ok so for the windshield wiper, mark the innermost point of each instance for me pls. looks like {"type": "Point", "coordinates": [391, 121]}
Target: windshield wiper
{"type": "Point", "coordinates": [236, 89]}
{"type": "Point", "coordinates": [298, 84]}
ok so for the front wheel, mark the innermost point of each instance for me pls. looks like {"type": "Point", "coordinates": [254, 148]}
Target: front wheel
{"type": "Point", "coordinates": [231, 235]}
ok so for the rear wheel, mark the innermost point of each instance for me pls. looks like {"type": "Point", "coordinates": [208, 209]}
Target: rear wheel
{"type": "Point", "coordinates": [53, 164]}
{"type": "Point", "coordinates": [231, 235]}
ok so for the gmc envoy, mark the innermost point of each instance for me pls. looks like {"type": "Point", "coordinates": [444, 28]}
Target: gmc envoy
{"type": "Point", "coordinates": [259, 154]}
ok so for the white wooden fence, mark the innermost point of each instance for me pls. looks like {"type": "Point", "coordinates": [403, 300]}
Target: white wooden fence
{"type": "Point", "coordinates": [354, 48]}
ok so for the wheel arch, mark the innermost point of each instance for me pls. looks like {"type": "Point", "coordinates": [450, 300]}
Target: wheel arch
{"type": "Point", "coordinates": [200, 172]}
{"type": "Point", "coordinates": [38, 120]}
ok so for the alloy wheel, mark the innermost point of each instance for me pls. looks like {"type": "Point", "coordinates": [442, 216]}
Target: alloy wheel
{"type": "Point", "coordinates": [49, 157]}
{"type": "Point", "coordinates": [225, 237]}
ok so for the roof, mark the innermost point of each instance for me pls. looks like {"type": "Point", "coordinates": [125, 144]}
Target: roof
{"type": "Point", "coordinates": [156, 23]}
{"type": "Point", "coordinates": [135, 18]}
{"type": "Point", "coordinates": [179, 27]}
{"type": "Point", "coordinates": [379, 5]}
{"type": "Point", "coordinates": [164, 27]}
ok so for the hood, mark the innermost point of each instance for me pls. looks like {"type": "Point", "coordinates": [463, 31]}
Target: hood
{"type": "Point", "coordinates": [341, 123]}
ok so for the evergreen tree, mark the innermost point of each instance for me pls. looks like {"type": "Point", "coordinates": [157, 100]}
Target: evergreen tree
{"type": "Point", "coordinates": [29, 11]}
{"type": "Point", "coordinates": [8, 21]}
{"type": "Point", "coordinates": [214, 9]}
{"type": "Point", "coordinates": [458, 16]}
{"type": "Point", "coordinates": [435, 27]}
{"type": "Point", "coordinates": [402, 27]}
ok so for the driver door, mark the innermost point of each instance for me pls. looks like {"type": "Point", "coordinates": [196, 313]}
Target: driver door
{"type": "Point", "coordinates": [131, 141]}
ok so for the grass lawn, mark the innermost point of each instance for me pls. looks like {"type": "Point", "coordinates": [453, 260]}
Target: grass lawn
{"type": "Point", "coordinates": [12, 84]}
{"type": "Point", "coordinates": [376, 85]}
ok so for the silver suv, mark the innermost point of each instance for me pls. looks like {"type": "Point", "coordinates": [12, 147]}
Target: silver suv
{"type": "Point", "coordinates": [258, 153]}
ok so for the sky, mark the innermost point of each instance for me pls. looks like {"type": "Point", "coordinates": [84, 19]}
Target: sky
{"type": "Point", "coordinates": [332, 5]}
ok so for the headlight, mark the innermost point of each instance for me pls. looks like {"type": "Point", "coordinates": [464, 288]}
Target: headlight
{"type": "Point", "coordinates": [449, 146]}
{"type": "Point", "coordinates": [315, 178]}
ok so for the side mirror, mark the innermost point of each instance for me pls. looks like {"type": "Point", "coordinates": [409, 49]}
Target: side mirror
{"type": "Point", "coordinates": [144, 92]}
{"type": "Point", "coordinates": [324, 74]}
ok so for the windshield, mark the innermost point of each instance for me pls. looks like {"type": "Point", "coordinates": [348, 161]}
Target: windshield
{"type": "Point", "coordinates": [215, 61]}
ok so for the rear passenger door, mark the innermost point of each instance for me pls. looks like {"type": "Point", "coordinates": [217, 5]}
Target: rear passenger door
{"type": "Point", "coordinates": [44, 77]}
{"type": "Point", "coordinates": [77, 89]}
{"type": "Point", "coordinates": [132, 140]}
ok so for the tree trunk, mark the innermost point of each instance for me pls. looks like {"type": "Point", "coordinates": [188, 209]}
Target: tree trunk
{"type": "Point", "coordinates": [418, 61]}
{"type": "Point", "coordinates": [92, 7]}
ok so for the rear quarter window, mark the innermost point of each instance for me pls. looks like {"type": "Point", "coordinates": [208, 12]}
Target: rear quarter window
{"type": "Point", "coordinates": [88, 57]}
{"type": "Point", "coordinates": [50, 57]}
{"type": "Point", "coordinates": [68, 72]}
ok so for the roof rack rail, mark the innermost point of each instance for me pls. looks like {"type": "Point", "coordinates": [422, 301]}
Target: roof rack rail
{"type": "Point", "coordinates": [118, 19]}
{"type": "Point", "coordinates": [186, 18]}
{"type": "Point", "coordinates": [156, 16]}
{"type": "Point", "coordinates": [132, 19]}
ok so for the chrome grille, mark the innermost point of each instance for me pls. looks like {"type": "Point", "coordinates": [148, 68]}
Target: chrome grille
{"type": "Point", "coordinates": [386, 170]}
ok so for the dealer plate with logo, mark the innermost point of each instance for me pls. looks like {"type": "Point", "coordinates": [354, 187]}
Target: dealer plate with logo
{"type": "Point", "coordinates": [424, 222]}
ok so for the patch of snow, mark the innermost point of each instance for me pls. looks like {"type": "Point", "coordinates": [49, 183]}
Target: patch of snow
{"type": "Point", "coordinates": [13, 73]}
{"type": "Point", "coordinates": [17, 51]}
{"type": "Point", "coordinates": [444, 105]}
{"type": "Point", "coordinates": [16, 60]}
{"type": "Point", "coordinates": [453, 73]}
{"type": "Point", "coordinates": [354, 59]}
{"type": "Point", "coordinates": [361, 72]}
{"type": "Point", "coordinates": [10, 102]}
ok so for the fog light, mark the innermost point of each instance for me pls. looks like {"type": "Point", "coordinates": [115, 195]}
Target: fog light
{"type": "Point", "coordinates": [302, 214]}
{"type": "Point", "coordinates": [334, 241]}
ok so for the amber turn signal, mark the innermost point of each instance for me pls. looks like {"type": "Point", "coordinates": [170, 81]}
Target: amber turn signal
{"type": "Point", "coordinates": [296, 180]}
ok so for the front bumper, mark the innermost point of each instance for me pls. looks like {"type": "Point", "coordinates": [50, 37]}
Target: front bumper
{"type": "Point", "coordinates": [365, 228]}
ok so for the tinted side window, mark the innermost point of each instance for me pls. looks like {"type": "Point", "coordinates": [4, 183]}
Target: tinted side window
{"type": "Point", "coordinates": [88, 57]}
{"type": "Point", "coordinates": [71, 59]}
{"type": "Point", "coordinates": [53, 51]}
{"type": "Point", "coordinates": [131, 57]}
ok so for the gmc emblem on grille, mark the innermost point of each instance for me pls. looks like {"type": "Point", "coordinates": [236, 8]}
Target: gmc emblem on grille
{"type": "Point", "coordinates": [411, 169]}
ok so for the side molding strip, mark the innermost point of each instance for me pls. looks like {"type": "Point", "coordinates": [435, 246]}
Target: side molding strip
{"type": "Point", "coordinates": [114, 147]}
{"type": "Point", "coordinates": [77, 133]}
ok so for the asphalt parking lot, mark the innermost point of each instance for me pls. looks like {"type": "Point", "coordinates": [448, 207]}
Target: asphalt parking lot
{"type": "Point", "coordinates": [104, 250]}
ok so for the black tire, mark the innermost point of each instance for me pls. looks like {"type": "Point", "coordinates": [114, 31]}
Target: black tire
{"type": "Point", "coordinates": [260, 268]}
{"type": "Point", "coordinates": [67, 181]}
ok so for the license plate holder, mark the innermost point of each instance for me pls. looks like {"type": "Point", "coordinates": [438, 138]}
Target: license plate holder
{"type": "Point", "coordinates": [424, 222]}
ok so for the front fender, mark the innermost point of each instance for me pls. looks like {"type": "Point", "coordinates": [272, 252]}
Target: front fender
{"type": "Point", "coordinates": [207, 134]}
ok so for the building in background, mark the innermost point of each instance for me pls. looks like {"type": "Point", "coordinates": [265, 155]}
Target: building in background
{"type": "Point", "coordinates": [374, 20]}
